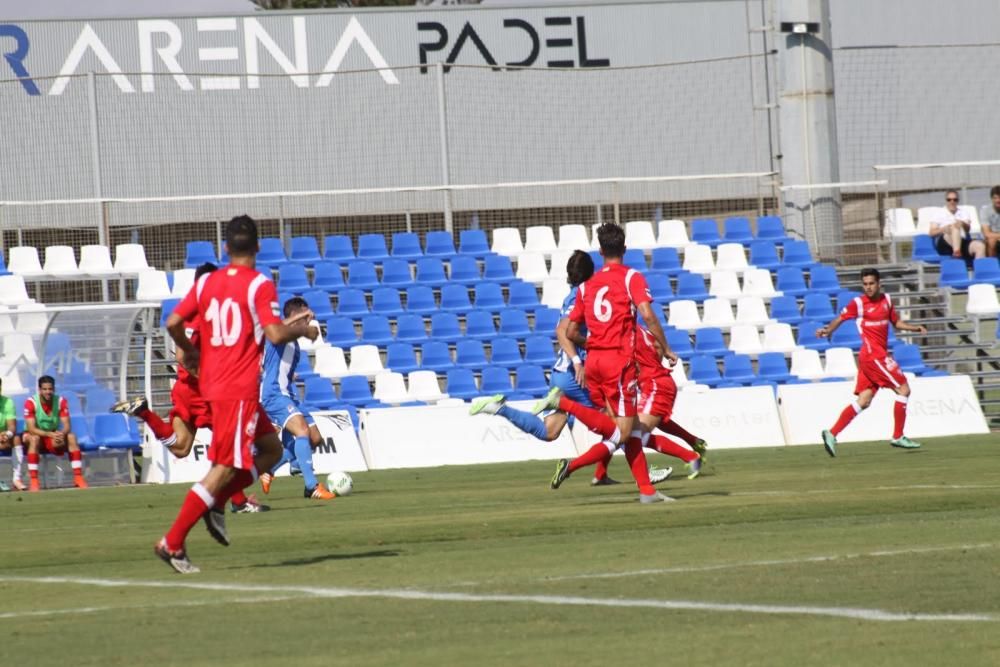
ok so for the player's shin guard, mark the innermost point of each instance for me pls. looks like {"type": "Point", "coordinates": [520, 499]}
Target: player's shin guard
{"type": "Point", "coordinates": [665, 445]}
{"type": "Point", "coordinates": [525, 421]}
{"type": "Point", "coordinates": [673, 428]}
{"type": "Point", "coordinates": [304, 455]}
{"type": "Point", "coordinates": [595, 420]}
{"type": "Point", "coordinates": [899, 416]}
{"type": "Point", "coordinates": [593, 455]}
{"type": "Point", "coordinates": [637, 462]}
{"type": "Point", "coordinates": [197, 501]}
{"type": "Point", "coordinates": [849, 413]}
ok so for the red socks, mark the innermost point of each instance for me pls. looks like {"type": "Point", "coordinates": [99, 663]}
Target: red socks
{"type": "Point", "coordinates": [849, 413]}
{"type": "Point", "coordinates": [595, 420]}
{"type": "Point", "coordinates": [33, 466]}
{"type": "Point", "coordinates": [76, 462]}
{"type": "Point", "coordinates": [241, 480]}
{"type": "Point", "coordinates": [595, 454]}
{"type": "Point", "coordinates": [160, 428]}
{"type": "Point", "coordinates": [899, 416]}
{"type": "Point", "coordinates": [601, 471]}
{"type": "Point", "coordinates": [667, 446]}
{"type": "Point", "coordinates": [239, 498]}
{"type": "Point", "coordinates": [637, 462]}
{"type": "Point", "coordinates": [673, 428]}
{"type": "Point", "coordinates": [196, 502]}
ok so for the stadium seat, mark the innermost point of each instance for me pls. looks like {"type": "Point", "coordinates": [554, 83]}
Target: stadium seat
{"type": "Point", "coordinates": [460, 383]}
{"type": "Point", "coordinates": [817, 307]}
{"type": "Point", "coordinates": [708, 340]}
{"type": "Point", "coordinates": [385, 301]}
{"type": "Point", "coordinates": [292, 278]}
{"type": "Point", "coordinates": [430, 272]}
{"type": "Point", "coordinates": [546, 320]}
{"type": "Point", "coordinates": [595, 256]}
{"type": "Point", "coordinates": [786, 309]}
{"type": "Point", "coordinates": [986, 270]}
{"type": "Point", "coordinates": [319, 303]}
{"type": "Point", "coordinates": [731, 257]}
{"type": "Point", "coordinates": [130, 259]}
{"type": "Point", "coordinates": [464, 269]}
{"type": "Point", "coordinates": [473, 242]}
{"type": "Point", "coordinates": [764, 255]}
{"type": "Point", "coordinates": [396, 273]}
{"type": "Point", "coordinates": [410, 328]}
{"type": "Point", "coordinates": [573, 237]}
{"type": "Point", "coordinates": [771, 228]}
{"type": "Point", "coordinates": [152, 286]}
{"type": "Point", "coordinates": [672, 234]}
{"type": "Point", "coordinates": [98, 400]}
{"type": "Point", "coordinates": [372, 247]}
{"type": "Point", "coordinates": [737, 230]}
{"type": "Point", "coordinates": [406, 245]}
{"type": "Point", "coordinates": [3, 266]}
{"type": "Point", "coordinates": [470, 354]}
{"type": "Point", "coordinates": [479, 324]}
{"type": "Point", "coordinates": [13, 291]}
{"type": "Point", "coordinates": [737, 368]}
{"type": "Point", "coordinates": [338, 248]}
{"type": "Point", "coordinates": [899, 223]}
{"type": "Point", "coordinates": [365, 360]}
{"type": "Point", "coordinates": [807, 335]}
{"type": "Point", "coordinates": [554, 292]}
{"type": "Point", "coordinates": [704, 369]}
{"type": "Point", "coordinates": [506, 352]}
{"type": "Point", "coordinates": [982, 300]}
{"type": "Point", "coordinates": [340, 331]}
{"type": "Point", "coordinates": [806, 364]}
{"type": "Point", "coordinates": [507, 242]}
{"type": "Point", "coordinates": [183, 281]}
{"type": "Point", "coordinates": [773, 367]}
{"type": "Point", "coordinates": [361, 274]}
{"type": "Point", "coordinates": [684, 314]}
{"type": "Point", "coordinates": [375, 330]}
{"type": "Point", "coordinates": [495, 380]}
{"type": "Point", "coordinates": [666, 261]}
{"type": "Point", "coordinates": [635, 259]}
{"type": "Point", "coordinates": [319, 392]}
{"type": "Point", "coordinates": [639, 235]}
{"type": "Point", "coordinates": [927, 215]}
{"type": "Point", "coordinates": [489, 296]}
{"type": "Point", "coordinates": [271, 254]}
{"type": "Point", "coordinates": [680, 342]}
{"type": "Point", "coordinates": [455, 299]}
{"type": "Point", "coordinates": [60, 262]}
{"type": "Point", "coordinates": [537, 350]}
{"type": "Point", "coordinates": [523, 296]}
{"type": "Point", "coordinates": [356, 390]}
{"type": "Point", "coordinates": [691, 286]}
{"type": "Point", "coordinates": [717, 313]}
{"type": "Point", "coordinates": [327, 276]}
{"type": "Point", "coordinates": [725, 285]}
{"type": "Point", "coordinates": [923, 250]}
{"type": "Point", "coordinates": [420, 300]}
{"type": "Point", "coordinates": [705, 231]}
{"type": "Point", "coordinates": [797, 253]}
{"type": "Point", "coordinates": [424, 386]}
{"type": "Point", "coordinates": [778, 337]}
{"type": "Point", "coordinates": [111, 430]}
{"type": "Point", "coordinates": [497, 268]}
{"type": "Point", "coordinates": [557, 265]}
{"type": "Point", "coordinates": [23, 261]}
{"type": "Point", "coordinates": [390, 388]}
{"type": "Point", "coordinates": [659, 288]}
{"type": "Point", "coordinates": [540, 239]}
{"type": "Point", "coordinates": [166, 307]}
{"type": "Point", "coordinates": [751, 310]}
{"type": "Point", "coordinates": [823, 278]}
{"type": "Point", "coordinates": [698, 259]}
{"type": "Point", "coordinates": [514, 322]}
{"type": "Point", "coordinates": [95, 261]}
{"type": "Point", "coordinates": [444, 327]}
{"type": "Point", "coordinates": [304, 368]}
{"type": "Point", "coordinates": [435, 356]}
{"type": "Point", "coordinates": [531, 267]}
{"type": "Point", "coordinates": [351, 303]}
{"type": "Point", "coordinates": [791, 281]}
{"type": "Point", "coordinates": [909, 359]}
{"type": "Point", "coordinates": [530, 379]}
{"type": "Point", "coordinates": [440, 244]}
{"type": "Point", "coordinates": [78, 378]}
{"type": "Point", "coordinates": [744, 339]}
{"type": "Point", "coordinates": [840, 363]}
{"type": "Point", "coordinates": [757, 282]}
{"type": "Point", "coordinates": [846, 335]}
{"type": "Point", "coordinates": [304, 250]}
{"type": "Point", "coordinates": [844, 297]}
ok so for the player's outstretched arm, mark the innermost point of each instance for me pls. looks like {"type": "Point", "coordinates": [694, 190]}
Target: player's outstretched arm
{"type": "Point", "coordinates": [285, 333]}
{"type": "Point", "coordinates": [827, 331]}
{"type": "Point", "coordinates": [906, 326]}
{"type": "Point", "coordinates": [304, 316]}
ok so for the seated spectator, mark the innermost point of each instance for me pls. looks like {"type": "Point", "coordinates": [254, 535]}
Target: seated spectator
{"type": "Point", "coordinates": [951, 232]}
{"type": "Point", "coordinates": [47, 427]}
{"type": "Point", "coordinates": [10, 442]}
{"type": "Point", "coordinates": [990, 219]}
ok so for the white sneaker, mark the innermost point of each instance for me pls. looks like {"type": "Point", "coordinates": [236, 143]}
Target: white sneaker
{"type": "Point", "coordinates": [657, 475]}
{"type": "Point", "coordinates": [654, 498]}
{"type": "Point", "coordinates": [488, 404]}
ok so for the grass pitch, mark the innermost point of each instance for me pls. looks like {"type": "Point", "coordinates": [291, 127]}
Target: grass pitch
{"type": "Point", "coordinates": [775, 557]}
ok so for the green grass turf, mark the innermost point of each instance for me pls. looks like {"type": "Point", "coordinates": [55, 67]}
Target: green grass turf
{"type": "Point", "coordinates": [499, 529]}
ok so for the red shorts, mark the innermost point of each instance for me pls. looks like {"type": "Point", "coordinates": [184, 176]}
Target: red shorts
{"type": "Point", "coordinates": [50, 446]}
{"type": "Point", "coordinates": [657, 395]}
{"type": "Point", "coordinates": [189, 405]}
{"type": "Point", "coordinates": [236, 424]}
{"type": "Point", "coordinates": [877, 373]}
{"type": "Point", "coordinates": [611, 380]}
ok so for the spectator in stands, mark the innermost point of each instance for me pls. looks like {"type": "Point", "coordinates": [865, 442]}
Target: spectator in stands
{"type": "Point", "coordinates": [951, 232]}
{"type": "Point", "coordinates": [990, 219]}
{"type": "Point", "coordinates": [10, 442]}
{"type": "Point", "coordinates": [47, 427]}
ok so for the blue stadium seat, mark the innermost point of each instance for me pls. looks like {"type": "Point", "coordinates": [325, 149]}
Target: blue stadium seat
{"type": "Point", "coordinates": [304, 369]}
{"type": "Point", "coordinates": [659, 287]}
{"type": "Point", "coordinates": [319, 303]}
{"type": "Point", "coordinates": [704, 369]}
{"type": "Point", "coordinates": [197, 253]}
{"type": "Point", "coordinates": [790, 281]}
{"type": "Point", "coordinates": [514, 323]}
{"type": "Point", "coordinates": [470, 354]}
{"type": "Point", "coordinates": [496, 380]}
{"type": "Point", "coordinates": [430, 272]}
{"type": "Point", "coordinates": [474, 242]}
{"type": "Point", "coordinates": [823, 278]}
{"type": "Point", "coordinates": [737, 230]}
{"type": "Point", "coordinates": [635, 259]}
{"type": "Point", "coordinates": [523, 296]}
{"type": "Point", "coordinates": [57, 347]}
{"type": "Point", "coordinates": [530, 379]}
{"type": "Point", "coordinates": [986, 270]}
{"type": "Point", "coordinates": [166, 307]}
{"type": "Point", "coordinates": [954, 273]}
{"type": "Point", "coordinates": [691, 286]}
{"type": "Point", "coordinates": [764, 255]}
{"type": "Point", "coordinates": [361, 274]}
{"type": "Point", "coordinates": [385, 301]}
{"type": "Point", "coordinates": [435, 356]}
{"type": "Point", "coordinates": [78, 378]}
{"type": "Point", "coordinates": [786, 309]}
{"type": "Point", "coordinates": [461, 383]}
{"type": "Point", "coordinates": [598, 260]}
{"type": "Point", "coordinates": [489, 296]}
{"type": "Point", "coordinates": [705, 231]}
{"type": "Point", "coordinates": [340, 331]}
{"type": "Point", "coordinates": [797, 253]}
{"type": "Point", "coordinates": [355, 390]}
{"type": "Point", "coordinates": [909, 359]}
{"type": "Point", "coordinates": [498, 269]}
{"type": "Point", "coordinates": [440, 244]}
{"type": "Point", "coordinates": [328, 277]}
{"type": "Point", "coordinates": [396, 273]}
{"type": "Point", "coordinates": [375, 330]}
{"type": "Point", "coordinates": [319, 392]}
{"type": "Point", "coordinates": [658, 311]}
{"type": "Point", "coordinates": [339, 249]}
{"type": "Point", "coordinates": [292, 278]}
{"type": "Point", "coordinates": [410, 328]}
{"type": "Point", "coordinates": [817, 307]}
{"type": "Point", "coordinates": [420, 299]}
{"type": "Point", "coordinates": [773, 366]}
{"type": "Point", "coordinates": [401, 358]}
{"type": "Point", "coordinates": [538, 350]}
{"type": "Point", "coordinates": [479, 324]}
{"type": "Point", "coordinates": [771, 228]}
{"type": "Point", "coordinates": [506, 352]}
{"type": "Point", "coordinates": [352, 303]}
{"type": "Point", "coordinates": [924, 250]}
{"type": "Point", "coordinates": [99, 400]}
{"type": "Point", "coordinates": [113, 431]}
{"type": "Point", "coordinates": [406, 245]}
{"type": "Point", "coordinates": [680, 342]}
{"type": "Point", "coordinates": [455, 299]}
{"type": "Point", "coordinates": [444, 326]}
{"type": "Point", "coordinates": [709, 340]}
{"type": "Point", "coordinates": [807, 335]}
{"type": "Point", "coordinates": [546, 320]}
{"type": "Point", "coordinates": [5, 272]}
{"type": "Point", "coordinates": [272, 253]}
{"type": "Point", "coordinates": [738, 368]}
{"type": "Point", "coordinates": [372, 248]}
{"type": "Point", "coordinates": [844, 297]}
{"type": "Point", "coordinates": [304, 250]}
{"type": "Point", "coordinates": [665, 260]}
{"type": "Point", "coordinates": [847, 335]}
{"type": "Point", "coordinates": [464, 269]}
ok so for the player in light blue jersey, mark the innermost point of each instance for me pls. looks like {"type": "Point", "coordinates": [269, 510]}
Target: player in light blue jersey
{"type": "Point", "coordinates": [280, 400]}
{"type": "Point", "coordinates": [579, 269]}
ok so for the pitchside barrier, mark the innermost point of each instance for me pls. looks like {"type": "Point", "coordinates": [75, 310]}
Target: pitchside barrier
{"type": "Point", "coordinates": [414, 437]}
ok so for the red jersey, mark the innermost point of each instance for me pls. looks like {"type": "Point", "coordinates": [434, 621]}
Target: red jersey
{"type": "Point", "coordinates": [606, 304]}
{"type": "Point", "coordinates": [234, 305]}
{"type": "Point", "coordinates": [191, 329]}
{"type": "Point", "coordinates": [31, 410]}
{"type": "Point", "coordinates": [649, 360]}
{"type": "Point", "coordinates": [872, 317]}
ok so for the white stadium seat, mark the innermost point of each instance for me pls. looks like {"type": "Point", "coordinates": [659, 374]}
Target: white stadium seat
{"type": "Point", "coordinates": [757, 282]}
{"type": "Point", "coordinates": [899, 223]}
{"type": "Point", "coordinates": [424, 386]}
{"type": "Point", "coordinates": [130, 258]}
{"type": "Point", "coordinates": [926, 215]}
{"type": "Point", "coordinates": [982, 300]}
{"type": "Point", "coordinates": [806, 364]}
{"type": "Point", "coordinates": [559, 260]}
{"type": "Point", "coordinates": [573, 237]}
{"type": "Point", "coordinates": [679, 374]}
{"type": "Point", "coordinates": [744, 339]}
{"type": "Point", "coordinates": [595, 243]}
{"type": "Point", "coordinates": [731, 257]}
{"type": "Point", "coordinates": [60, 261]}
{"type": "Point", "coordinates": [24, 262]}
{"type": "Point", "coordinates": [974, 225]}
{"type": "Point", "coordinates": [365, 360]}
{"type": "Point", "coordinates": [684, 315]}
{"type": "Point", "coordinates": [152, 286]}
{"type": "Point", "coordinates": [13, 291]}
{"type": "Point", "coordinates": [778, 337]}
{"type": "Point", "coordinates": [725, 285]}
{"type": "Point", "coordinates": [531, 267]}
{"type": "Point", "coordinates": [840, 363]}
{"type": "Point", "coordinates": [717, 313]}
{"type": "Point", "coordinates": [554, 292]}
{"type": "Point", "coordinates": [539, 238]}
{"type": "Point", "coordinates": [183, 282]}
{"type": "Point", "coordinates": [698, 259]}
{"type": "Point", "coordinates": [390, 388]}
{"type": "Point", "coordinates": [507, 241]}
{"type": "Point", "coordinates": [639, 235]}
{"type": "Point", "coordinates": [95, 261]}
{"type": "Point", "coordinates": [673, 234]}
{"type": "Point", "coordinates": [751, 310]}
{"type": "Point", "coordinates": [329, 362]}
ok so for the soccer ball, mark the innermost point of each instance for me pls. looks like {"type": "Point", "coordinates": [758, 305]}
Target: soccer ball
{"type": "Point", "coordinates": [340, 483]}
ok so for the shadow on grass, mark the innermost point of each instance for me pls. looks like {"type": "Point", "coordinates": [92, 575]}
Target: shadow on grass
{"type": "Point", "coordinates": [382, 553]}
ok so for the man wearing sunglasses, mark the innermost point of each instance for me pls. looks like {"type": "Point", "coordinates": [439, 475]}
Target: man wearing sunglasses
{"type": "Point", "coordinates": [951, 232]}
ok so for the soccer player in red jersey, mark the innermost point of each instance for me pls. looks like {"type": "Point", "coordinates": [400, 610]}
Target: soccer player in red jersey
{"type": "Point", "coordinates": [873, 312]}
{"type": "Point", "coordinates": [237, 308]}
{"type": "Point", "coordinates": [607, 304]}
{"type": "Point", "coordinates": [47, 427]}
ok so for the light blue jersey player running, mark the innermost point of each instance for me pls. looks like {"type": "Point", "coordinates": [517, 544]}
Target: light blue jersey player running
{"type": "Point", "coordinates": [579, 269]}
{"type": "Point", "coordinates": [279, 399]}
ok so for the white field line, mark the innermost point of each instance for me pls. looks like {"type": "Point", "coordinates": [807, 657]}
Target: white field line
{"type": "Point", "coordinates": [164, 605]}
{"type": "Point", "coordinates": [909, 487]}
{"type": "Point", "coordinates": [689, 569]}
{"type": "Point", "coordinates": [560, 600]}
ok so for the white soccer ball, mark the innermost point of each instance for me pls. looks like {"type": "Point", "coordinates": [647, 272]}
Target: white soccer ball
{"type": "Point", "coordinates": [340, 483]}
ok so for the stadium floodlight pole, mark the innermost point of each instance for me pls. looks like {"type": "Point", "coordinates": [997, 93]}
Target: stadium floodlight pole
{"type": "Point", "coordinates": [103, 222]}
{"type": "Point", "coordinates": [443, 129]}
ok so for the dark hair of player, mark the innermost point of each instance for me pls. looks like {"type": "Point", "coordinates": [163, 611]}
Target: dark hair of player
{"type": "Point", "coordinates": [294, 304]}
{"type": "Point", "coordinates": [871, 272]}
{"type": "Point", "coordinates": [579, 268]}
{"type": "Point", "coordinates": [241, 236]}
{"type": "Point", "coordinates": [612, 240]}
{"type": "Point", "coordinates": [994, 191]}
{"type": "Point", "coordinates": [207, 267]}
{"type": "Point", "coordinates": [46, 379]}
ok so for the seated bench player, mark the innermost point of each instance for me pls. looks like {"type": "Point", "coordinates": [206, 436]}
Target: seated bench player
{"type": "Point", "coordinates": [47, 428]}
